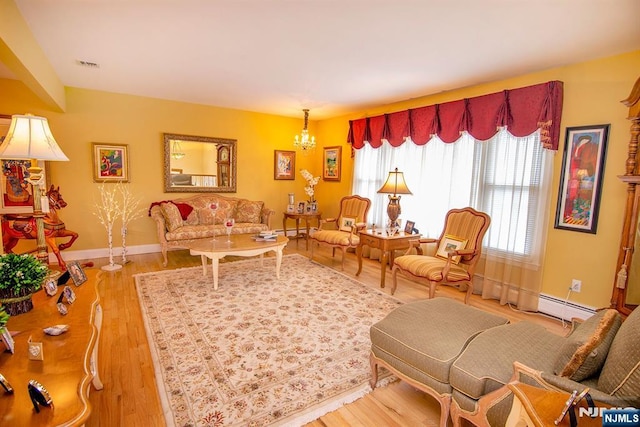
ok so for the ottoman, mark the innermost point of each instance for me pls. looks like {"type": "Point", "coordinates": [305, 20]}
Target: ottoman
{"type": "Point", "coordinates": [419, 342]}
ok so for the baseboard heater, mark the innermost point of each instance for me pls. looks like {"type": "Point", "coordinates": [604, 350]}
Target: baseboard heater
{"type": "Point", "coordinates": [562, 309]}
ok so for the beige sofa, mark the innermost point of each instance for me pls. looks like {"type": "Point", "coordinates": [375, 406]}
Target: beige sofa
{"type": "Point", "coordinates": [465, 359]}
{"type": "Point", "coordinates": [181, 220]}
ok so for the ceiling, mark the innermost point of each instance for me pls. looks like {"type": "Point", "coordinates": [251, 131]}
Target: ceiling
{"type": "Point", "coordinates": [331, 56]}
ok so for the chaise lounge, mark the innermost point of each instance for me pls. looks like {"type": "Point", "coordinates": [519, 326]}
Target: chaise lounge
{"type": "Point", "coordinates": [465, 359]}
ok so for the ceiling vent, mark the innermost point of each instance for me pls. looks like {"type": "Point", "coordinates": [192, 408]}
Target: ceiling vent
{"type": "Point", "coordinates": [88, 64]}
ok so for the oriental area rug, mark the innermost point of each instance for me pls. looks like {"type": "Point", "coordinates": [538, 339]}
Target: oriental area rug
{"type": "Point", "coordinates": [259, 350]}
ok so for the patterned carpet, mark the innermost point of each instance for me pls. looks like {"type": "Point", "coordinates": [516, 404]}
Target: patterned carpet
{"type": "Point", "coordinates": [260, 350]}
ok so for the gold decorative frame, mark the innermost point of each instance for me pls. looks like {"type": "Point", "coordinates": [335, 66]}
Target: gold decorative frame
{"type": "Point", "coordinates": [332, 163]}
{"type": "Point", "coordinates": [284, 164]}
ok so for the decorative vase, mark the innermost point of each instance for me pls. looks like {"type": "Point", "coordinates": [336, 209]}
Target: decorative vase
{"type": "Point", "coordinates": [16, 302]}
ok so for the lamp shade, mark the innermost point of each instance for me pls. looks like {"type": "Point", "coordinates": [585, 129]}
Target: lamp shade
{"type": "Point", "coordinates": [395, 184]}
{"type": "Point", "coordinates": [29, 137]}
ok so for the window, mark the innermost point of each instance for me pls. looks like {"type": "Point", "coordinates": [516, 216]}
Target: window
{"type": "Point", "coordinates": [507, 177]}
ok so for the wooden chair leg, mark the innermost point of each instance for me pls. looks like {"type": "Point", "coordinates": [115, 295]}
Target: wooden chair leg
{"type": "Point", "coordinates": [344, 254]}
{"type": "Point", "coordinates": [374, 371]}
{"type": "Point", "coordinates": [432, 289]}
{"type": "Point", "coordinates": [394, 275]}
{"type": "Point", "coordinates": [311, 253]}
{"type": "Point", "coordinates": [469, 292]}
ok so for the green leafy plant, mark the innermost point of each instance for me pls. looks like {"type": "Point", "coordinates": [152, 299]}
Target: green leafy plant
{"type": "Point", "coordinates": [18, 272]}
{"type": "Point", "coordinates": [4, 317]}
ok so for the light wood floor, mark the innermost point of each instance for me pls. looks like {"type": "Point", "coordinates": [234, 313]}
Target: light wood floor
{"type": "Point", "coordinates": [129, 397]}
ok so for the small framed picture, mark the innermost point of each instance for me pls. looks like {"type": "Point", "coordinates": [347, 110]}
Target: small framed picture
{"type": "Point", "coordinates": [408, 227]}
{"type": "Point", "coordinates": [291, 208]}
{"type": "Point", "coordinates": [7, 339]}
{"type": "Point", "coordinates": [51, 286]}
{"type": "Point", "coordinates": [450, 243]}
{"type": "Point", "coordinates": [110, 162]}
{"type": "Point", "coordinates": [332, 163]}
{"type": "Point", "coordinates": [302, 207]}
{"type": "Point", "coordinates": [284, 164]}
{"type": "Point", "coordinates": [347, 223]}
{"type": "Point", "coordinates": [77, 274]}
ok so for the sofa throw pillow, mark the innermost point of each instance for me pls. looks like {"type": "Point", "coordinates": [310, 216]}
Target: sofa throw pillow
{"type": "Point", "coordinates": [171, 215]}
{"type": "Point", "coordinates": [346, 223]}
{"type": "Point", "coordinates": [585, 350]}
{"type": "Point", "coordinates": [248, 211]}
{"type": "Point", "coordinates": [185, 209]}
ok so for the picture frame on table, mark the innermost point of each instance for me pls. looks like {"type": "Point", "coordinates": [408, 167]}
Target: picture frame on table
{"type": "Point", "coordinates": [581, 178]}
{"type": "Point", "coordinates": [408, 227]}
{"type": "Point", "coordinates": [50, 286]}
{"type": "Point", "coordinates": [450, 243]}
{"type": "Point", "coordinates": [76, 273]}
{"type": "Point", "coordinates": [284, 164]}
{"type": "Point", "coordinates": [110, 162]}
{"type": "Point", "coordinates": [302, 207]}
{"type": "Point", "coordinates": [7, 339]}
{"type": "Point", "coordinates": [332, 163]}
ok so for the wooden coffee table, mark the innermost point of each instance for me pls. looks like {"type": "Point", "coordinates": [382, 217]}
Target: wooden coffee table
{"type": "Point", "coordinates": [240, 245]}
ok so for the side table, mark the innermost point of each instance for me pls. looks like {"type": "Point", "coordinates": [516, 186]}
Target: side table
{"type": "Point", "coordinates": [386, 244]}
{"type": "Point", "coordinates": [307, 217]}
{"type": "Point", "coordinates": [538, 407]}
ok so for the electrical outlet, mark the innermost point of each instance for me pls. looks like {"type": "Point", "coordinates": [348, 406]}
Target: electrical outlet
{"type": "Point", "coordinates": [576, 285]}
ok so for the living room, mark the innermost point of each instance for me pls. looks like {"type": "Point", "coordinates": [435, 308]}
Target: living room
{"type": "Point", "coordinates": [79, 117]}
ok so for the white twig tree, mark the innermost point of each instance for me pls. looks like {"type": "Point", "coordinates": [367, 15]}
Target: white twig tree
{"type": "Point", "coordinates": [128, 212]}
{"type": "Point", "coordinates": [107, 209]}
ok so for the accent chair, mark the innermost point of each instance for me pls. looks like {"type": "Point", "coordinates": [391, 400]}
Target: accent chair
{"type": "Point", "coordinates": [458, 251]}
{"type": "Point", "coordinates": [342, 231]}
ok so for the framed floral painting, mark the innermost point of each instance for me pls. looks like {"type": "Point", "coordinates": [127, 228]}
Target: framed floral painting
{"type": "Point", "coordinates": [284, 164]}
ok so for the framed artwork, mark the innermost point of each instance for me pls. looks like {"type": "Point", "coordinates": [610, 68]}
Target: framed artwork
{"type": "Point", "coordinates": [450, 243]}
{"type": "Point", "coordinates": [284, 164]}
{"type": "Point", "coordinates": [332, 163]}
{"type": "Point", "coordinates": [346, 223]}
{"type": "Point", "coordinates": [581, 180]}
{"type": "Point", "coordinates": [408, 228]}
{"type": "Point", "coordinates": [17, 193]}
{"type": "Point", "coordinates": [77, 274]}
{"type": "Point", "coordinates": [110, 162]}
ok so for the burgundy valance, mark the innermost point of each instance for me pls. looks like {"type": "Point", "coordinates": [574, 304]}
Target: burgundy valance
{"type": "Point", "coordinates": [521, 110]}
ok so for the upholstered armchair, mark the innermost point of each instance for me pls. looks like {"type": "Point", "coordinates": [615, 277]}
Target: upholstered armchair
{"type": "Point", "coordinates": [342, 231]}
{"type": "Point", "coordinates": [458, 251]}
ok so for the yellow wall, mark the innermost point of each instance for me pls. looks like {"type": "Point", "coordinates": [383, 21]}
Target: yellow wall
{"type": "Point", "coordinates": [592, 92]}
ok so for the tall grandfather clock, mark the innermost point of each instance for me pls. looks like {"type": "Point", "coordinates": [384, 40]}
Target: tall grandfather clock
{"type": "Point", "coordinates": [224, 159]}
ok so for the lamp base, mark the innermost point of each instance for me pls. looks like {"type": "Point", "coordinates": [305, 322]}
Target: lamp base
{"type": "Point", "coordinates": [393, 209]}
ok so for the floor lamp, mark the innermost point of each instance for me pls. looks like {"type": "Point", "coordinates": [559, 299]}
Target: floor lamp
{"type": "Point", "coordinates": [393, 186]}
{"type": "Point", "coordinates": [29, 138]}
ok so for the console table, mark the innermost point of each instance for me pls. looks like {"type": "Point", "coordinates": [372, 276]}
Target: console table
{"type": "Point", "coordinates": [70, 359]}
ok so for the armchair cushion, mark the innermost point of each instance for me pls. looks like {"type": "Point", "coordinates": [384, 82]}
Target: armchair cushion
{"type": "Point", "coordinates": [585, 350]}
{"type": "Point", "coordinates": [337, 237]}
{"type": "Point", "coordinates": [430, 268]}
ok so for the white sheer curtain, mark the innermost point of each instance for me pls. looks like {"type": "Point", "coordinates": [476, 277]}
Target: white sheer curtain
{"type": "Point", "coordinates": [507, 177]}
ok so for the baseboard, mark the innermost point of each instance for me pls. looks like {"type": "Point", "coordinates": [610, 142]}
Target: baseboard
{"type": "Point", "coordinates": [68, 255]}
{"type": "Point", "coordinates": [562, 309]}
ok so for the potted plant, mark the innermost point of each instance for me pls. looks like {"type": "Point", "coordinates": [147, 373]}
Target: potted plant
{"type": "Point", "coordinates": [20, 277]}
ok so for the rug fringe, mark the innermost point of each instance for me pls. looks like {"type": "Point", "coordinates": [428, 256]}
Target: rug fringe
{"type": "Point", "coordinates": [336, 403]}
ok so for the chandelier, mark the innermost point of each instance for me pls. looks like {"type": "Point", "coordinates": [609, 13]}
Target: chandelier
{"type": "Point", "coordinates": [304, 141]}
{"type": "Point", "coordinates": [176, 150]}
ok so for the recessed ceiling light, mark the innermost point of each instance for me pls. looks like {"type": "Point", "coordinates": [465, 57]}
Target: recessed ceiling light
{"type": "Point", "coordinates": [87, 63]}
